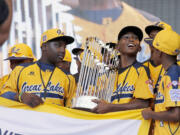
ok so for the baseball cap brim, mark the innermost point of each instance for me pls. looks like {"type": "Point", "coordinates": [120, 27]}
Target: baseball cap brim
{"type": "Point", "coordinates": [149, 41]}
{"type": "Point", "coordinates": [137, 31]}
{"type": "Point", "coordinates": [149, 28]}
{"type": "Point", "coordinates": [67, 39]}
{"type": "Point", "coordinates": [17, 58]}
{"type": "Point", "coordinates": [75, 51]}
{"type": "Point", "coordinates": [76, 58]}
{"type": "Point", "coordinates": [111, 45]}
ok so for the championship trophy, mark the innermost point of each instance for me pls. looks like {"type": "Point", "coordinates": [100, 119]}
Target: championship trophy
{"type": "Point", "coordinates": [97, 74]}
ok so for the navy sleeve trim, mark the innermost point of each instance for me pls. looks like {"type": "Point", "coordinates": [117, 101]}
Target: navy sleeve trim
{"type": "Point", "coordinates": [9, 95]}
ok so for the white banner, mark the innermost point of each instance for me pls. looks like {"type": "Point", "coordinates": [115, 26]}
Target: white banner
{"type": "Point", "coordinates": [64, 121]}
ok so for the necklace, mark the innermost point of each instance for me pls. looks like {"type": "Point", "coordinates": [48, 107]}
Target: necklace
{"type": "Point", "coordinates": [45, 86]}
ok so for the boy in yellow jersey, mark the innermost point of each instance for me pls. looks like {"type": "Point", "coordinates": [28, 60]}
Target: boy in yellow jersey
{"type": "Point", "coordinates": [66, 62]}
{"type": "Point", "coordinates": [42, 81]}
{"type": "Point", "coordinates": [152, 30]}
{"type": "Point", "coordinates": [133, 85]}
{"type": "Point", "coordinates": [155, 71]}
{"type": "Point", "coordinates": [167, 102]}
{"type": "Point", "coordinates": [78, 52]}
{"type": "Point", "coordinates": [18, 54]}
{"type": "Point", "coordinates": [65, 66]}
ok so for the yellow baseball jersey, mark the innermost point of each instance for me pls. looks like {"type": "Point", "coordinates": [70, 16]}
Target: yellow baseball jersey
{"type": "Point", "coordinates": [156, 73]}
{"type": "Point", "coordinates": [178, 62]}
{"type": "Point", "coordinates": [168, 96]}
{"type": "Point", "coordinates": [72, 90]}
{"type": "Point", "coordinates": [132, 82]}
{"type": "Point", "coordinates": [46, 81]}
{"type": "Point", "coordinates": [3, 81]}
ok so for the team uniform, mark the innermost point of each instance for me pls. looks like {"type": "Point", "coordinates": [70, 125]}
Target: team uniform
{"type": "Point", "coordinates": [71, 91]}
{"type": "Point", "coordinates": [17, 52]}
{"type": "Point", "coordinates": [44, 80]}
{"type": "Point", "coordinates": [3, 81]}
{"type": "Point", "coordinates": [178, 62]}
{"type": "Point", "coordinates": [132, 82]}
{"type": "Point", "coordinates": [168, 96]}
{"type": "Point", "coordinates": [156, 73]}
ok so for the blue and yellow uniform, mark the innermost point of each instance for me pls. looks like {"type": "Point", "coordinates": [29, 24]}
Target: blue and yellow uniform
{"type": "Point", "coordinates": [168, 96]}
{"type": "Point", "coordinates": [178, 62]}
{"type": "Point", "coordinates": [42, 79]}
{"type": "Point", "coordinates": [47, 81]}
{"type": "Point", "coordinates": [156, 73]}
{"type": "Point", "coordinates": [3, 81]}
{"type": "Point", "coordinates": [17, 52]}
{"type": "Point", "coordinates": [71, 91]}
{"type": "Point", "coordinates": [132, 82]}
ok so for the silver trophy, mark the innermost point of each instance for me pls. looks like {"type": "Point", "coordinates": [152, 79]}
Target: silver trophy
{"type": "Point", "coordinates": [97, 75]}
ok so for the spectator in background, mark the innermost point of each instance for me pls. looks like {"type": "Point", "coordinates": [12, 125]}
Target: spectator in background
{"type": "Point", "coordinates": [5, 19]}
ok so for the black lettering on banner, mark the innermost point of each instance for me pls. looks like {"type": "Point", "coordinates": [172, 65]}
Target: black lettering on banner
{"type": "Point", "coordinates": [6, 132]}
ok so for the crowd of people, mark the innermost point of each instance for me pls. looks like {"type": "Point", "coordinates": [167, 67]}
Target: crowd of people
{"type": "Point", "coordinates": [153, 84]}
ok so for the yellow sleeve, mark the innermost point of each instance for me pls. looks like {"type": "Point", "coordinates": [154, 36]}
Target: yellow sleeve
{"type": "Point", "coordinates": [72, 90]}
{"type": "Point", "coordinates": [11, 84]}
{"type": "Point", "coordinates": [172, 93]}
{"type": "Point", "coordinates": [3, 81]}
{"type": "Point", "coordinates": [143, 85]}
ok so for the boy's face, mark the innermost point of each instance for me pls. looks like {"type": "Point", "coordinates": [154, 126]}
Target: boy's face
{"type": "Point", "coordinates": [156, 56]}
{"type": "Point", "coordinates": [153, 33]}
{"type": "Point", "coordinates": [55, 51]}
{"type": "Point", "coordinates": [65, 65]}
{"type": "Point", "coordinates": [129, 44]}
{"type": "Point", "coordinates": [14, 63]}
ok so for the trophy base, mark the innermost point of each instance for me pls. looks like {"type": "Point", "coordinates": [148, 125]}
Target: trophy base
{"type": "Point", "coordinates": [84, 103]}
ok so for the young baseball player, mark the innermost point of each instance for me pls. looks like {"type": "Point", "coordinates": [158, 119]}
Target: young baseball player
{"type": "Point", "coordinates": [66, 62]}
{"type": "Point", "coordinates": [78, 52]}
{"type": "Point", "coordinates": [133, 85]}
{"type": "Point", "coordinates": [65, 66]}
{"type": "Point", "coordinates": [18, 54]}
{"type": "Point", "coordinates": [152, 30]}
{"type": "Point", "coordinates": [42, 81]}
{"type": "Point", "coordinates": [155, 71]}
{"type": "Point", "coordinates": [167, 102]}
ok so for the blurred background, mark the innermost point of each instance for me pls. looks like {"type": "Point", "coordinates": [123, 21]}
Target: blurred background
{"type": "Point", "coordinates": [83, 18]}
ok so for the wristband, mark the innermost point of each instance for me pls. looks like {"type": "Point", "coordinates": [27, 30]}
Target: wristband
{"type": "Point", "coordinates": [19, 97]}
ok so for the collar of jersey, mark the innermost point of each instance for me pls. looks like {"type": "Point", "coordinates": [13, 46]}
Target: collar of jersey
{"type": "Point", "coordinates": [123, 69]}
{"type": "Point", "coordinates": [45, 66]}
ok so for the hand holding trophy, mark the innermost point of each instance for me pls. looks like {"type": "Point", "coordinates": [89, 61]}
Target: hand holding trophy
{"type": "Point", "coordinates": [97, 75]}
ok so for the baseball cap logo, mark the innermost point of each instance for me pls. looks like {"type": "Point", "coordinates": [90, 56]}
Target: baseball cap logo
{"type": "Point", "coordinates": [177, 51]}
{"type": "Point", "coordinates": [44, 38]}
{"type": "Point", "coordinates": [14, 50]}
{"type": "Point", "coordinates": [58, 31]}
{"type": "Point", "coordinates": [161, 25]}
{"type": "Point", "coordinates": [157, 44]}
